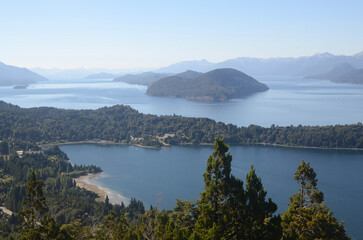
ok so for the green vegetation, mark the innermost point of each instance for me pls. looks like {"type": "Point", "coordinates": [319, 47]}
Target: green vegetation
{"type": "Point", "coordinates": [307, 216]}
{"type": "Point", "coordinates": [216, 85]}
{"type": "Point", "coordinates": [227, 209]}
{"type": "Point", "coordinates": [53, 193]}
{"type": "Point", "coordinates": [122, 124]}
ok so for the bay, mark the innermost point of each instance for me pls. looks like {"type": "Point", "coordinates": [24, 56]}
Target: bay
{"type": "Point", "coordinates": [177, 173]}
{"type": "Point", "coordinates": [290, 101]}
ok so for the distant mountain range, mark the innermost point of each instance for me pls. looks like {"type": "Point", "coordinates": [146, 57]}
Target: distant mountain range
{"type": "Point", "coordinates": [80, 73]}
{"type": "Point", "coordinates": [146, 78]}
{"type": "Point", "coordinates": [343, 73]}
{"type": "Point", "coordinates": [11, 75]}
{"type": "Point", "coordinates": [282, 66]}
{"type": "Point", "coordinates": [301, 66]}
{"type": "Point", "coordinates": [216, 85]}
{"type": "Point", "coordinates": [101, 75]}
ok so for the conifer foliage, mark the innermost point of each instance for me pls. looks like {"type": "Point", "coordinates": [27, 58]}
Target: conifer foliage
{"type": "Point", "coordinates": [307, 216]}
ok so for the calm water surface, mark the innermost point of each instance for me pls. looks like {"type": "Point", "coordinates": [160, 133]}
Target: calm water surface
{"type": "Point", "coordinates": [177, 172]}
{"type": "Point", "coordinates": [290, 101]}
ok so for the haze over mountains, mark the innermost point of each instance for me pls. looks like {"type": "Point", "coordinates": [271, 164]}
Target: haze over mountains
{"type": "Point", "coordinates": [343, 73]}
{"type": "Point", "coordinates": [284, 66]}
{"type": "Point", "coordinates": [216, 85]}
{"type": "Point", "coordinates": [146, 78]}
{"type": "Point", "coordinates": [11, 75]}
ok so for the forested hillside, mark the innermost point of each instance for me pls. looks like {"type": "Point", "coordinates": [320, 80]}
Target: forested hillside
{"type": "Point", "coordinates": [65, 202]}
{"type": "Point", "coordinates": [122, 124]}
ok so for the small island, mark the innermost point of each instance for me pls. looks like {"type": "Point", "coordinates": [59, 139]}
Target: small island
{"type": "Point", "coordinates": [216, 85]}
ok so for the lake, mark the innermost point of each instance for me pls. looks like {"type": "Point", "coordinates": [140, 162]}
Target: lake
{"type": "Point", "coordinates": [177, 172]}
{"type": "Point", "coordinates": [290, 101]}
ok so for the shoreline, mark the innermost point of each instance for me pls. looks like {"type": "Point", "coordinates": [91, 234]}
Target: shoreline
{"type": "Point", "coordinates": [201, 144]}
{"type": "Point", "coordinates": [85, 181]}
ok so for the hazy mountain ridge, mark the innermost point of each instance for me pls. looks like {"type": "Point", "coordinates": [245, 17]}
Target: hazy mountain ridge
{"type": "Point", "coordinates": [145, 78]}
{"type": "Point", "coordinates": [343, 73]}
{"type": "Point", "coordinates": [216, 85]}
{"type": "Point", "coordinates": [101, 75]}
{"type": "Point", "coordinates": [11, 75]}
{"type": "Point", "coordinates": [283, 66]}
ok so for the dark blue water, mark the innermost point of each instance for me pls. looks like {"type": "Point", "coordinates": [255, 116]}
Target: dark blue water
{"type": "Point", "coordinates": [177, 172]}
{"type": "Point", "coordinates": [290, 101]}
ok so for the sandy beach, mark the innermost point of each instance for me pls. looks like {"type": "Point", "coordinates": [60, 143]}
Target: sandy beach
{"type": "Point", "coordinates": [88, 182]}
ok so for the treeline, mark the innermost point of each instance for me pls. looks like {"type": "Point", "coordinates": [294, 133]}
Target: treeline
{"type": "Point", "coordinates": [65, 201]}
{"type": "Point", "coordinates": [228, 208]}
{"type": "Point", "coordinates": [122, 124]}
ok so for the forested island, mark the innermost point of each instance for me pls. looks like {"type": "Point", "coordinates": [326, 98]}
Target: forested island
{"type": "Point", "coordinates": [124, 125]}
{"type": "Point", "coordinates": [216, 85]}
{"type": "Point", "coordinates": [43, 202]}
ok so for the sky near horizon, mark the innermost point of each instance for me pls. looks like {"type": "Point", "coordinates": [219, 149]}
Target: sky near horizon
{"type": "Point", "coordinates": [149, 34]}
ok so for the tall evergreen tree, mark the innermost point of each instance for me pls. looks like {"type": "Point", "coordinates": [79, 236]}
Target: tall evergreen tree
{"type": "Point", "coordinates": [226, 210]}
{"type": "Point", "coordinates": [37, 224]}
{"type": "Point", "coordinates": [213, 219]}
{"type": "Point", "coordinates": [307, 216]}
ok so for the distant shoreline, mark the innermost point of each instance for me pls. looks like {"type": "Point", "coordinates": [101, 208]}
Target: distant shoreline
{"type": "Point", "coordinates": [85, 181]}
{"type": "Point", "coordinates": [201, 144]}
{"type": "Point", "coordinates": [98, 142]}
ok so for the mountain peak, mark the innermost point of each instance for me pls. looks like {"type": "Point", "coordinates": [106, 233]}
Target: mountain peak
{"type": "Point", "coordinates": [360, 54]}
{"type": "Point", "coordinates": [324, 55]}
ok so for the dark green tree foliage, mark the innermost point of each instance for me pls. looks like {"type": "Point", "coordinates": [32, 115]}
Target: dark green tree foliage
{"type": "Point", "coordinates": [35, 207]}
{"type": "Point", "coordinates": [4, 147]}
{"type": "Point", "coordinates": [113, 227]}
{"type": "Point", "coordinates": [213, 218]}
{"type": "Point", "coordinates": [37, 224]}
{"type": "Point", "coordinates": [227, 210]}
{"type": "Point", "coordinates": [260, 223]}
{"type": "Point", "coordinates": [307, 216]}
{"type": "Point", "coordinates": [124, 124]}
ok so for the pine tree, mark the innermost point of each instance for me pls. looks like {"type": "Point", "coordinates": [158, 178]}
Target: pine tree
{"type": "Point", "coordinates": [226, 210]}
{"type": "Point", "coordinates": [307, 216]}
{"type": "Point", "coordinates": [213, 219]}
{"type": "Point", "coordinates": [37, 224]}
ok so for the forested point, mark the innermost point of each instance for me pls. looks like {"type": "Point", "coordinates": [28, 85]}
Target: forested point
{"type": "Point", "coordinates": [39, 189]}
{"type": "Point", "coordinates": [122, 124]}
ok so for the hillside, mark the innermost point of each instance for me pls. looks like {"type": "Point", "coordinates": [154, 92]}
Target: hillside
{"type": "Point", "coordinates": [216, 85]}
{"type": "Point", "coordinates": [343, 73]}
{"type": "Point", "coordinates": [146, 78]}
{"type": "Point", "coordinates": [11, 75]}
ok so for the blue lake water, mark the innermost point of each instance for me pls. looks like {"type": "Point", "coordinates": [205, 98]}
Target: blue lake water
{"type": "Point", "coordinates": [290, 101]}
{"type": "Point", "coordinates": [177, 172]}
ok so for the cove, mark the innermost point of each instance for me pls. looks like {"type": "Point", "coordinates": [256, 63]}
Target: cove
{"type": "Point", "coordinates": [177, 172]}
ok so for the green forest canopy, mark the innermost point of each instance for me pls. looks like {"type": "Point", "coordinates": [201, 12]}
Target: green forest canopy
{"type": "Point", "coordinates": [122, 124]}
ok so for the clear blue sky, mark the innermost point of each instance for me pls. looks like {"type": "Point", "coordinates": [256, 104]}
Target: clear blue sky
{"type": "Point", "coordinates": [146, 34]}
